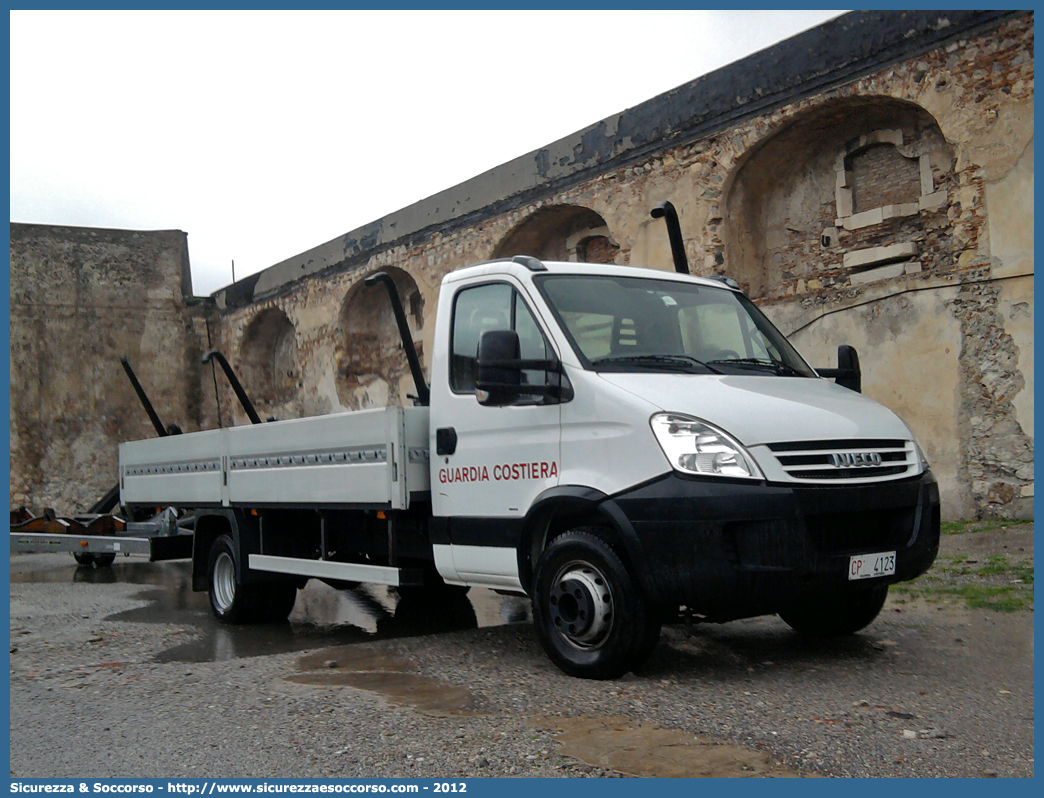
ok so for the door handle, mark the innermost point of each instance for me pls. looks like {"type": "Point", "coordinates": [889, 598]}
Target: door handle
{"type": "Point", "coordinates": [445, 440]}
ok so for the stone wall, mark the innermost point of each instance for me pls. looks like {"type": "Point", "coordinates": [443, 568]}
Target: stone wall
{"type": "Point", "coordinates": [80, 300]}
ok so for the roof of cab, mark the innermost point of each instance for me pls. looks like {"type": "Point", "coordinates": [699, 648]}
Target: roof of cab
{"type": "Point", "coordinates": [524, 266]}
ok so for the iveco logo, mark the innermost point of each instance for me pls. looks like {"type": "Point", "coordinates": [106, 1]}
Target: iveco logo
{"type": "Point", "coordinates": [856, 459]}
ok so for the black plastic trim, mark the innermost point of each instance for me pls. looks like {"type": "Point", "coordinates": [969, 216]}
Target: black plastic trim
{"type": "Point", "coordinates": [729, 550]}
{"type": "Point", "coordinates": [492, 532]}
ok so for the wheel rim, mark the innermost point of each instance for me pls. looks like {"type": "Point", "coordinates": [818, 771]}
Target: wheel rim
{"type": "Point", "coordinates": [224, 582]}
{"type": "Point", "coordinates": [581, 605]}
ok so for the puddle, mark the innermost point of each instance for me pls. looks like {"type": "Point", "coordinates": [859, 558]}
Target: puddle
{"type": "Point", "coordinates": [624, 745]}
{"type": "Point", "coordinates": [321, 617]}
{"type": "Point", "coordinates": [385, 675]}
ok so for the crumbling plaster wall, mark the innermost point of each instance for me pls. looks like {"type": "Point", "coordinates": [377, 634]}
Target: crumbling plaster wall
{"type": "Point", "coordinates": [80, 300]}
{"type": "Point", "coordinates": [948, 345]}
{"type": "Point", "coordinates": [980, 93]}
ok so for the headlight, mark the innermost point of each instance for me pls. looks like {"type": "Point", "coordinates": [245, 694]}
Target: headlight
{"type": "Point", "coordinates": [695, 447]}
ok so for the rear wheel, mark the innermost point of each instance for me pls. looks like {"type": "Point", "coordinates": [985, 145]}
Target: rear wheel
{"type": "Point", "coordinates": [230, 601]}
{"type": "Point", "coordinates": [590, 615]}
{"type": "Point", "coordinates": [104, 560]}
{"type": "Point", "coordinates": [234, 602]}
{"type": "Point", "coordinates": [838, 614]}
{"type": "Point", "coordinates": [84, 558]}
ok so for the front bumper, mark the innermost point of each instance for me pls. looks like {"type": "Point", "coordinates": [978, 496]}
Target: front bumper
{"type": "Point", "coordinates": [731, 550]}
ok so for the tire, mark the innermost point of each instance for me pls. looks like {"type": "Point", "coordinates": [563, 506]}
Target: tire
{"type": "Point", "coordinates": [834, 615]}
{"type": "Point", "coordinates": [104, 560]}
{"type": "Point", "coordinates": [86, 558]}
{"type": "Point", "coordinates": [590, 615]}
{"type": "Point", "coordinates": [230, 601]}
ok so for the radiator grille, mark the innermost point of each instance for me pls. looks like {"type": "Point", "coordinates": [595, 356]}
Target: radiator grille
{"type": "Point", "coordinates": [858, 460]}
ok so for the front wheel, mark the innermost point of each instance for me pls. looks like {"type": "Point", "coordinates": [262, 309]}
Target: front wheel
{"type": "Point", "coordinates": [836, 614]}
{"type": "Point", "coordinates": [590, 616]}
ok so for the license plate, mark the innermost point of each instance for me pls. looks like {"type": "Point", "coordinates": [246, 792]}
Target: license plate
{"type": "Point", "coordinates": [867, 566]}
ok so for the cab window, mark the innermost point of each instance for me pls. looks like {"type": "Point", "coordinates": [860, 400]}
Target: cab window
{"type": "Point", "coordinates": [622, 323]}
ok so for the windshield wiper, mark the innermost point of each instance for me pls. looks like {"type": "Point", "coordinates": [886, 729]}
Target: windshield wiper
{"type": "Point", "coordinates": [683, 362]}
{"type": "Point", "coordinates": [777, 366]}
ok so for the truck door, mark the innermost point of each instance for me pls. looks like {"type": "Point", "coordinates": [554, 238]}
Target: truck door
{"type": "Point", "coordinates": [488, 463]}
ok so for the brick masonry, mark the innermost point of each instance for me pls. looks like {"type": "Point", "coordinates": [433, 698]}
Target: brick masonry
{"type": "Point", "coordinates": [884, 177]}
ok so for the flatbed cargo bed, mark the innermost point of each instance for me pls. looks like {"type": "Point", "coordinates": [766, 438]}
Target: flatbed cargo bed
{"type": "Point", "coordinates": [368, 458]}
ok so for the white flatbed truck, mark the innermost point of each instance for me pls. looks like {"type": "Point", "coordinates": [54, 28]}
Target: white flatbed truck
{"type": "Point", "coordinates": [620, 444]}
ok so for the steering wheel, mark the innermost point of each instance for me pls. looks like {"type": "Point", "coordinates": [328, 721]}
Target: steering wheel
{"type": "Point", "coordinates": [723, 354]}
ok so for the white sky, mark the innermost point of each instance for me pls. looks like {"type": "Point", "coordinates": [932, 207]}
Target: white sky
{"type": "Point", "coordinates": [264, 134]}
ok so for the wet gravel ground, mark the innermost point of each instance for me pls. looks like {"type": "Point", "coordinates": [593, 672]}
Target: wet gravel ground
{"type": "Point", "coordinates": [112, 680]}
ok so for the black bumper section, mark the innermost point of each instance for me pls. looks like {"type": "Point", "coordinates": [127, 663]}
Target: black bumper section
{"type": "Point", "coordinates": [735, 550]}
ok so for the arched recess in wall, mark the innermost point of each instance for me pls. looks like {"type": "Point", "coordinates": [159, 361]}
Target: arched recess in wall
{"type": "Point", "coordinates": [371, 364]}
{"type": "Point", "coordinates": [562, 233]}
{"type": "Point", "coordinates": [268, 359]}
{"type": "Point", "coordinates": [847, 193]}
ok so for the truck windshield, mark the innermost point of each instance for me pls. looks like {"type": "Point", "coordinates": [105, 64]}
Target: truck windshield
{"type": "Point", "coordinates": [645, 324]}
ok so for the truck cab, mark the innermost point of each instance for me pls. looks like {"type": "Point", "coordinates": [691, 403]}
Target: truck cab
{"type": "Point", "coordinates": [620, 443]}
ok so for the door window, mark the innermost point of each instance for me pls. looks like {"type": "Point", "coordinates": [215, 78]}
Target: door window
{"type": "Point", "coordinates": [496, 306]}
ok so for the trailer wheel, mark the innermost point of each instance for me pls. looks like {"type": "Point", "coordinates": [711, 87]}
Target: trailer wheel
{"type": "Point", "coordinates": [104, 560]}
{"type": "Point", "coordinates": [85, 558]}
{"type": "Point", "coordinates": [230, 601]}
{"type": "Point", "coordinates": [590, 615]}
{"type": "Point", "coordinates": [836, 614]}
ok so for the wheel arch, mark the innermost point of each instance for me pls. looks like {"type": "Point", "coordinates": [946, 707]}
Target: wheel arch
{"type": "Point", "coordinates": [565, 507]}
{"type": "Point", "coordinates": [209, 527]}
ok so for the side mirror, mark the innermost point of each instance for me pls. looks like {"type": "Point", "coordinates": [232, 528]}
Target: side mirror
{"type": "Point", "coordinates": [499, 380]}
{"type": "Point", "coordinates": [499, 375]}
{"type": "Point", "coordinates": [847, 374]}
